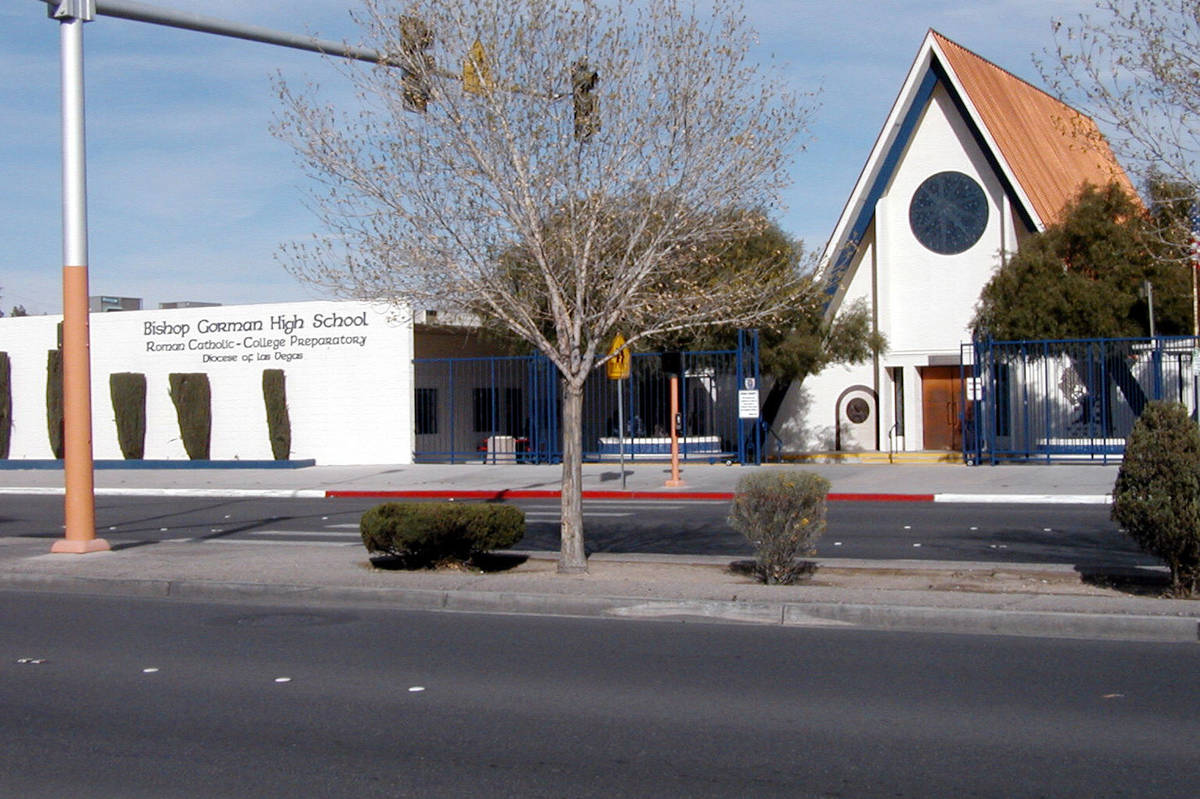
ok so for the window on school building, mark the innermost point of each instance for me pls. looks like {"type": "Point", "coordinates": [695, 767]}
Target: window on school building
{"type": "Point", "coordinates": [426, 411]}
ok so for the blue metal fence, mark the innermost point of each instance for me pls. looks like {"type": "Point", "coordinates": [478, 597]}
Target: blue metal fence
{"type": "Point", "coordinates": [1067, 400]}
{"type": "Point", "coordinates": [506, 409]}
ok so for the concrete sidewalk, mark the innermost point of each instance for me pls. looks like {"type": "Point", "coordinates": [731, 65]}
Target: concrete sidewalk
{"type": "Point", "coordinates": [903, 595]}
{"type": "Point", "coordinates": [910, 482]}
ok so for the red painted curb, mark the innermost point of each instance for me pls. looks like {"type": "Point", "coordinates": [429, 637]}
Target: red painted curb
{"type": "Point", "coordinates": [880, 497]}
{"type": "Point", "coordinates": [518, 493]}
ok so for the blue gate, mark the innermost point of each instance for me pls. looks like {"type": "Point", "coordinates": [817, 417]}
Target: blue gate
{"type": "Point", "coordinates": [506, 409]}
{"type": "Point", "coordinates": [1067, 400]}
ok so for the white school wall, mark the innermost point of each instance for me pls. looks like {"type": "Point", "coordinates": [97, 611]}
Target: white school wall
{"type": "Point", "coordinates": [347, 367]}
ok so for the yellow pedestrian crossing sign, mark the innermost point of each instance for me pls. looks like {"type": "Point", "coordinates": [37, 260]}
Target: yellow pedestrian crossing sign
{"type": "Point", "coordinates": [618, 366]}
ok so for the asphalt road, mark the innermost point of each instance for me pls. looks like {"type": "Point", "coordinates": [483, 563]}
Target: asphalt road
{"type": "Point", "coordinates": [104, 697]}
{"type": "Point", "coordinates": [1073, 534]}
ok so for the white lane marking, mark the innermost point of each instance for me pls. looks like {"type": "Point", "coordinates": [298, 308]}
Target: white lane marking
{"type": "Point", "coordinates": [354, 526]}
{"type": "Point", "coordinates": [305, 533]}
{"type": "Point", "coordinates": [234, 493]}
{"type": "Point", "coordinates": [587, 513]}
{"type": "Point", "coordinates": [265, 542]}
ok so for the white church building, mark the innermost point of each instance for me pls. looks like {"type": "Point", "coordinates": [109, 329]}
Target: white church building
{"type": "Point", "coordinates": [970, 161]}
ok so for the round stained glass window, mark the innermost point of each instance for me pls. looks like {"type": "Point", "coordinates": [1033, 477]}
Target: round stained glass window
{"type": "Point", "coordinates": [948, 213]}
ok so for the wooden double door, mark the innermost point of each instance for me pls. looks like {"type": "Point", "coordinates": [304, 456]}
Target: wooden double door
{"type": "Point", "coordinates": [941, 407]}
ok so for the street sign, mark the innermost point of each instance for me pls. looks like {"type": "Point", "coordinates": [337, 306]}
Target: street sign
{"type": "Point", "coordinates": [618, 366]}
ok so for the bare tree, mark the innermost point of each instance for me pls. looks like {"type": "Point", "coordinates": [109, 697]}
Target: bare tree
{"type": "Point", "coordinates": [610, 142]}
{"type": "Point", "coordinates": [1135, 67]}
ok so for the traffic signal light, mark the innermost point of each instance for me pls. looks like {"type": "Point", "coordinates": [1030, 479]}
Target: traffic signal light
{"type": "Point", "coordinates": [587, 105]}
{"type": "Point", "coordinates": [416, 63]}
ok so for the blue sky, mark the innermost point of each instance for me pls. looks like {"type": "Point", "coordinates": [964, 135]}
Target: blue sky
{"type": "Point", "coordinates": [190, 197]}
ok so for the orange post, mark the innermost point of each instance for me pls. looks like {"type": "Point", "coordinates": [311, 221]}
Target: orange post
{"type": "Point", "coordinates": [80, 504]}
{"type": "Point", "coordinates": [674, 482]}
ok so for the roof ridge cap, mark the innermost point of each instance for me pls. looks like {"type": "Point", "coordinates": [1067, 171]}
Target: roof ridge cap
{"type": "Point", "coordinates": [942, 38]}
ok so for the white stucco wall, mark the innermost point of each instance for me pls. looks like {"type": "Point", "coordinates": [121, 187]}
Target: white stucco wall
{"type": "Point", "coordinates": [923, 301]}
{"type": "Point", "coordinates": [928, 299]}
{"type": "Point", "coordinates": [348, 370]}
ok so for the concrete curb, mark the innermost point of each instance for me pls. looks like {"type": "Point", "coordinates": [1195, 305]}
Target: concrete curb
{"type": "Point", "coordinates": [227, 493]}
{"type": "Point", "coordinates": [1056, 624]}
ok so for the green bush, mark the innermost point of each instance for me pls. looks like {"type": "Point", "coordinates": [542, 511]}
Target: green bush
{"type": "Point", "coordinates": [429, 533]}
{"type": "Point", "coordinates": [5, 404]}
{"type": "Point", "coordinates": [54, 401]}
{"type": "Point", "coordinates": [193, 406]}
{"type": "Point", "coordinates": [279, 425]}
{"type": "Point", "coordinates": [128, 393]}
{"type": "Point", "coordinates": [782, 514]}
{"type": "Point", "coordinates": [1157, 495]}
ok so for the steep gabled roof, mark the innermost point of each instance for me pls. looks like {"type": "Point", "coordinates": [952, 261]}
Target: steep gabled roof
{"type": "Point", "coordinates": [1050, 148]}
{"type": "Point", "coordinates": [1043, 150]}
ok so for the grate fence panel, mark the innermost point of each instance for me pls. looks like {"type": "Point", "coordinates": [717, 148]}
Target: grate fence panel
{"type": "Point", "coordinates": [1068, 400]}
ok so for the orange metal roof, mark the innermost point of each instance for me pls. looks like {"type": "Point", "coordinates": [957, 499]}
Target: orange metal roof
{"type": "Point", "coordinates": [1051, 148]}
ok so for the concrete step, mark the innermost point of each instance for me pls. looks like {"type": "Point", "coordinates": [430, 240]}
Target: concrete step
{"type": "Point", "coordinates": [915, 457]}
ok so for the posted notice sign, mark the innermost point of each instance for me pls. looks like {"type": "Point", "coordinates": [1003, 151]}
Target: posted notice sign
{"type": "Point", "coordinates": [748, 404]}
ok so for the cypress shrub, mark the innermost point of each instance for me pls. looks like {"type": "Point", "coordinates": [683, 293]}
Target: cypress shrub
{"type": "Point", "coordinates": [1156, 498]}
{"type": "Point", "coordinates": [5, 404]}
{"type": "Point", "coordinates": [429, 533]}
{"type": "Point", "coordinates": [782, 514]}
{"type": "Point", "coordinates": [279, 425]}
{"type": "Point", "coordinates": [192, 398]}
{"type": "Point", "coordinates": [128, 392]}
{"type": "Point", "coordinates": [54, 401]}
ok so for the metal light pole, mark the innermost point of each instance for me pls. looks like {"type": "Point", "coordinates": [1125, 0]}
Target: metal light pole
{"type": "Point", "coordinates": [79, 504]}
{"type": "Point", "coordinates": [78, 475]}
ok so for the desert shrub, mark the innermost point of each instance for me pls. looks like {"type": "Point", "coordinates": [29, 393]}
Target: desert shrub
{"type": "Point", "coordinates": [782, 514]}
{"type": "Point", "coordinates": [192, 398]}
{"type": "Point", "coordinates": [54, 401]}
{"type": "Point", "coordinates": [428, 533]}
{"type": "Point", "coordinates": [1156, 498]}
{"type": "Point", "coordinates": [279, 425]}
{"type": "Point", "coordinates": [5, 404]}
{"type": "Point", "coordinates": [128, 393]}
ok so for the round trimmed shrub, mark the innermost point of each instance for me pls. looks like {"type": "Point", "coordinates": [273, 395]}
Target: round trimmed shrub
{"type": "Point", "coordinates": [1156, 498]}
{"type": "Point", "coordinates": [782, 514]}
{"type": "Point", "coordinates": [429, 533]}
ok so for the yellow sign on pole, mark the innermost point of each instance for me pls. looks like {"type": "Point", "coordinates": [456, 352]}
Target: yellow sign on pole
{"type": "Point", "coordinates": [618, 366]}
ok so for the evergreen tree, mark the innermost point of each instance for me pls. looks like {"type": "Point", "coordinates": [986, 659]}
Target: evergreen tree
{"type": "Point", "coordinates": [1081, 278]}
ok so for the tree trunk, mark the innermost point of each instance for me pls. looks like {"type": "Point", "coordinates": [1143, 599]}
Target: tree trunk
{"type": "Point", "coordinates": [572, 559]}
